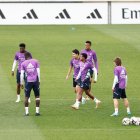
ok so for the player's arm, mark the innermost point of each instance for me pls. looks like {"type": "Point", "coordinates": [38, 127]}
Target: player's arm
{"type": "Point", "coordinates": [22, 78]}
{"type": "Point", "coordinates": [115, 82]}
{"type": "Point", "coordinates": [38, 73]}
{"type": "Point", "coordinates": [69, 72]}
{"type": "Point", "coordinates": [13, 67]}
{"type": "Point", "coordinates": [95, 74]}
{"type": "Point", "coordinates": [126, 79]}
{"type": "Point", "coordinates": [14, 63]}
{"type": "Point", "coordinates": [95, 61]}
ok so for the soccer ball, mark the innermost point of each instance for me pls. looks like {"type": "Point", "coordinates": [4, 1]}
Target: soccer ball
{"type": "Point", "coordinates": [134, 120]}
{"type": "Point", "coordinates": [137, 123]}
{"type": "Point", "coordinates": [126, 121]}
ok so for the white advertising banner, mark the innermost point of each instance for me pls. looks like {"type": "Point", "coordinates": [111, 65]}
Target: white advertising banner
{"type": "Point", "coordinates": [53, 13]}
{"type": "Point", "coordinates": [125, 13]}
{"type": "Point", "coordinates": [50, 0]}
{"type": "Point", "coordinates": [65, 0]}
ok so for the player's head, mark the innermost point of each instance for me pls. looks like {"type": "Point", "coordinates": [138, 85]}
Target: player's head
{"type": "Point", "coordinates": [87, 45]}
{"type": "Point", "coordinates": [27, 55]}
{"type": "Point", "coordinates": [83, 57]}
{"type": "Point", "coordinates": [75, 53]}
{"type": "Point", "coordinates": [22, 47]}
{"type": "Point", "coordinates": [117, 61]}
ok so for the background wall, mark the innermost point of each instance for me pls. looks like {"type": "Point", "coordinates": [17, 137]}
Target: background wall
{"type": "Point", "coordinates": [16, 12]}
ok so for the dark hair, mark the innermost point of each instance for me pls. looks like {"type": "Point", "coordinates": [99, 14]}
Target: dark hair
{"type": "Point", "coordinates": [22, 45]}
{"type": "Point", "coordinates": [118, 61]}
{"type": "Point", "coordinates": [27, 55]}
{"type": "Point", "coordinates": [75, 51]}
{"type": "Point", "coordinates": [84, 55]}
{"type": "Point", "coordinates": [89, 42]}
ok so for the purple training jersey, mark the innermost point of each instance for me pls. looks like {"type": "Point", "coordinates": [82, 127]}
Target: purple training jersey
{"type": "Point", "coordinates": [120, 72]}
{"type": "Point", "coordinates": [84, 68]}
{"type": "Point", "coordinates": [91, 55]}
{"type": "Point", "coordinates": [75, 64]}
{"type": "Point", "coordinates": [19, 57]}
{"type": "Point", "coordinates": [30, 67]}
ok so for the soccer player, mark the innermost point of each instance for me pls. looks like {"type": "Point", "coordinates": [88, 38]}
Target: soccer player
{"type": "Point", "coordinates": [91, 54]}
{"type": "Point", "coordinates": [19, 58]}
{"type": "Point", "coordinates": [119, 85]}
{"type": "Point", "coordinates": [31, 68]}
{"type": "Point", "coordinates": [91, 58]}
{"type": "Point", "coordinates": [74, 64]}
{"type": "Point", "coordinates": [83, 80]}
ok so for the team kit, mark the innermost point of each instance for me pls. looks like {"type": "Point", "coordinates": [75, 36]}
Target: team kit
{"type": "Point", "coordinates": [84, 65]}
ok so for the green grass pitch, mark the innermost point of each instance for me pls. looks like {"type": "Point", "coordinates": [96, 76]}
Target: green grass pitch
{"type": "Point", "coordinates": [52, 46]}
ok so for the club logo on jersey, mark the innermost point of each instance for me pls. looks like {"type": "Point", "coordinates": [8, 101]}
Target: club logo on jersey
{"type": "Point", "coordinates": [123, 75]}
{"type": "Point", "coordinates": [77, 66]}
{"type": "Point", "coordinates": [30, 67]}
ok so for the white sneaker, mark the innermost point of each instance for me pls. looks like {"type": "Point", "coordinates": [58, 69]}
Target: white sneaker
{"type": "Point", "coordinates": [97, 104]}
{"type": "Point", "coordinates": [75, 107]}
{"type": "Point", "coordinates": [18, 100]}
{"type": "Point", "coordinates": [114, 114]}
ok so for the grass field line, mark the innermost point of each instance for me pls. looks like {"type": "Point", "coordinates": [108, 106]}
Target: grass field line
{"type": "Point", "coordinates": [133, 128]}
{"type": "Point", "coordinates": [87, 100]}
{"type": "Point", "coordinates": [72, 99]}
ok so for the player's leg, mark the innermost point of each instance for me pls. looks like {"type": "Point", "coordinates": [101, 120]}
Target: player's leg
{"type": "Point", "coordinates": [116, 96]}
{"type": "Point", "coordinates": [18, 86]}
{"type": "Point", "coordinates": [90, 81]}
{"type": "Point", "coordinates": [87, 85]}
{"type": "Point", "coordinates": [88, 93]}
{"type": "Point", "coordinates": [28, 88]}
{"type": "Point", "coordinates": [75, 86]}
{"type": "Point", "coordinates": [26, 106]}
{"type": "Point", "coordinates": [36, 90]}
{"type": "Point", "coordinates": [82, 86]}
{"type": "Point", "coordinates": [29, 100]}
{"type": "Point", "coordinates": [116, 106]}
{"type": "Point", "coordinates": [37, 106]}
{"type": "Point", "coordinates": [126, 104]}
{"type": "Point", "coordinates": [79, 94]}
{"type": "Point", "coordinates": [78, 98]}
{"type": "Point", "coordinates": [25, 80]}
{"type": "Point", "coordinates": [90, 71]}
{"type": "Point", "coordinates": [125, 100]}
